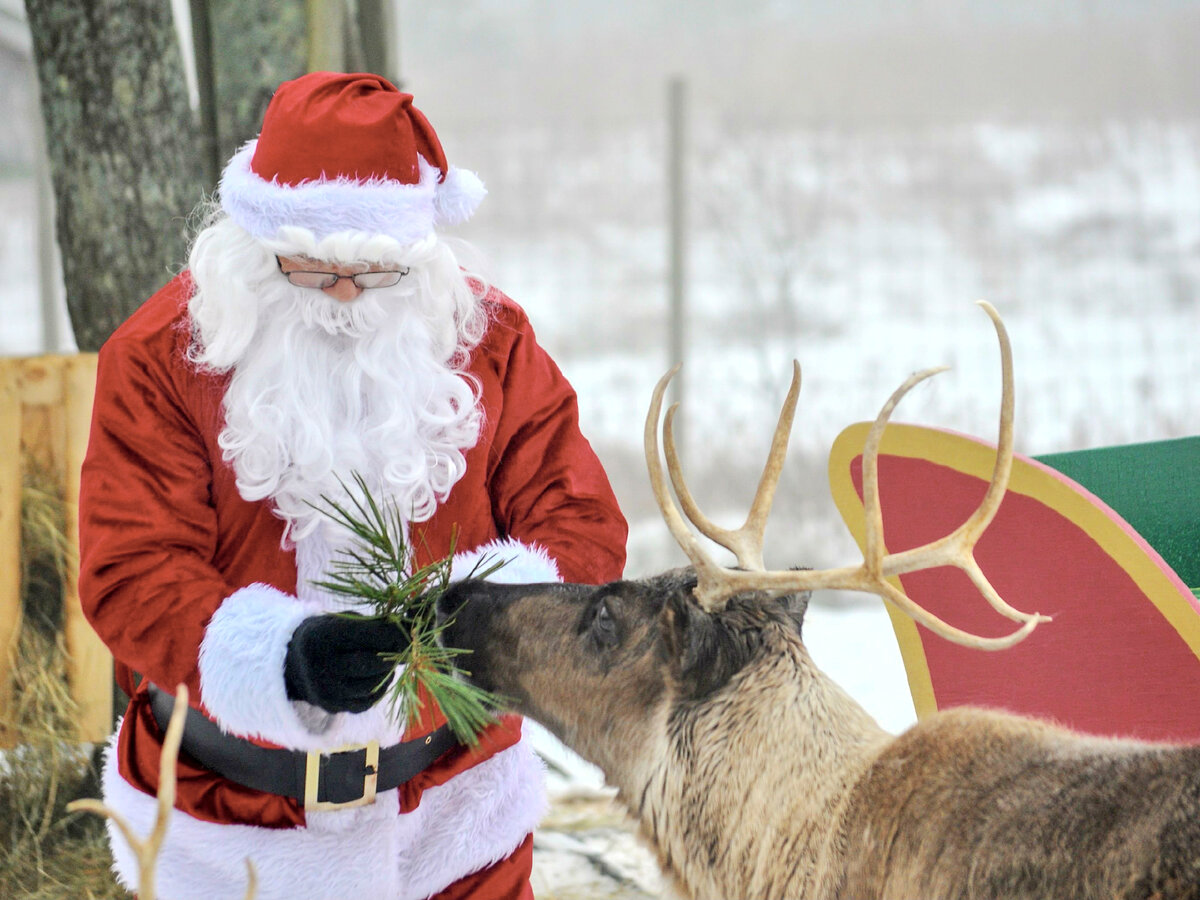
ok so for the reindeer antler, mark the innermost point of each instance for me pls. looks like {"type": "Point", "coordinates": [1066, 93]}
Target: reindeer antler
{"type": "Point", "coordinates": [716, 583]}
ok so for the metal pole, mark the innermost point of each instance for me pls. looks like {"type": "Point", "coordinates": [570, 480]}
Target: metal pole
{"type": "Point", "coordinates": [677, 231]}
{"type": "Point", "coordinates": [47, 246]}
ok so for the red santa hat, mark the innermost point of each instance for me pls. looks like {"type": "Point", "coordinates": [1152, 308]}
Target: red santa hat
{"type": "Point", "coordinates": [341, 152]}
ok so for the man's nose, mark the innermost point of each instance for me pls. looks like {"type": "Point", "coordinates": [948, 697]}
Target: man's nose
{"type": "Point", "coordinates": [344, 290]}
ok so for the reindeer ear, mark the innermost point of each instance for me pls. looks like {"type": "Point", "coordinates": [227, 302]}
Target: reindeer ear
{"type": "Point", "coordinates": [704, 651]}
{"type": "Point", "coordinates": [796, 605]}
{"type": "Point", "coordinates": [687, 632]}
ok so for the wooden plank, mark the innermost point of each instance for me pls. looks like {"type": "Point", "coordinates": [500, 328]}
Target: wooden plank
{"type": "Point", "coordinates": [89, 664]}
{"type": "Point", "coordinates": [10, 535]}
{"type": "Point", "coordinates": [42, 436]}
{"type": "Point", "coordinates": [40, 379]}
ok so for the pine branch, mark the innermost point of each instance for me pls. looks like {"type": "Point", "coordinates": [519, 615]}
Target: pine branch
{"type": "Point", "coordinates": [374, 571]}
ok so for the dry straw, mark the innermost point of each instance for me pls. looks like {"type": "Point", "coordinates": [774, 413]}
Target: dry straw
{"type": "Point", "coordinates": [47, 853]}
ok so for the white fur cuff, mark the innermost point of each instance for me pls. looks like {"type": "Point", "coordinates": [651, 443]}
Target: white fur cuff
{"type": "Point", "coordinates": [523, 563]}
{"type": "Point", "coordinates": [241, 665]}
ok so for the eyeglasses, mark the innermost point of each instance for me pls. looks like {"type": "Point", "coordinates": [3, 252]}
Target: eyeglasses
{"type": "Point", "coordinates": [323, 280]}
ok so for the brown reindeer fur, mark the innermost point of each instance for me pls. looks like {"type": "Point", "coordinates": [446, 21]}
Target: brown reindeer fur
{"type": "Point", "coordinates": [754, 775]}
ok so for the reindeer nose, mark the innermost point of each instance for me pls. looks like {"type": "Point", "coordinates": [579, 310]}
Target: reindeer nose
{"type": "Point", "coordinates": [472, 604]}
{"type": "Point", "coordinates": [452, 598]}
{"type": "Point", "coordinates": [464, 599]}
{"type": "Point", "coordinates": [467, 611]}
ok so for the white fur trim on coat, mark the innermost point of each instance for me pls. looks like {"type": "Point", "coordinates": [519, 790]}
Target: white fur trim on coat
{"type": "Point", "coordinates": [241, 666]}
{"type": "Point", "coordinates": [405, 212]}
{"type": "Point", "coordinates": [368, 853]}
{"type": "Point", "coordinates": [523, 563]}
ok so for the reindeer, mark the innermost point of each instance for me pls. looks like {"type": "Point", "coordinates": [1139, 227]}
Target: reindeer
{"type": "Point", "coordinates": [753, 774]}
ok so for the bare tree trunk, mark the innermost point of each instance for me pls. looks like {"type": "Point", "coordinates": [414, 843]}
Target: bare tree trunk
{"type": "Point", "coordinates": [256, 46]}
{"type": "Point", "coordinates": [123, 152]}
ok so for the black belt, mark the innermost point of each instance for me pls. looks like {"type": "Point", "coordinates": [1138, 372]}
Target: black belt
{"type": "Point", "coordinates": [347, 776]}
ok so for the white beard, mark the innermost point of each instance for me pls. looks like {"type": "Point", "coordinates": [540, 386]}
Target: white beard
{"type": "Point", "coordinates": [326, 391]}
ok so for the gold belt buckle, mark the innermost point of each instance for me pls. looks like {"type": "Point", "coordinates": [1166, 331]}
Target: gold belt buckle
{"type": "Point", "coordinates": [312, 777]}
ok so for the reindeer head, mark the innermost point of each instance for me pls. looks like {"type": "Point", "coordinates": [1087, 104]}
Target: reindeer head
{"type": "Point", "coordinates": [617, 660]}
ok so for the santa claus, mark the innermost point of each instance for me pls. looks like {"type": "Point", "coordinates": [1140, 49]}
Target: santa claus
{"type": "Point", "coordinates": [324, 330]}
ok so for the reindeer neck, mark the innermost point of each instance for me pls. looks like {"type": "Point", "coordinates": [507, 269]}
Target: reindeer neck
{"type": "Point", "coordinates": [848, 725]}
{"type": "Point", "coordinates": [775, 755]}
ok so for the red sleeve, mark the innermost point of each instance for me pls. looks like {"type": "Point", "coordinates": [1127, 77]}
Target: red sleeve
{"type": "Point", "coordinates": [146, 526]}
{"type": "Point", "coordinates": [547, 485]}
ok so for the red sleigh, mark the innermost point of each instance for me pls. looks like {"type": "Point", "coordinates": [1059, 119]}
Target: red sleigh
{"type": "Point", "coordinates": [1105, 541]}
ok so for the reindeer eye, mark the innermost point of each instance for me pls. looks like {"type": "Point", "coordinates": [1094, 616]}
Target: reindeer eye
{"type": "Point", "coordinates": [604, 626]}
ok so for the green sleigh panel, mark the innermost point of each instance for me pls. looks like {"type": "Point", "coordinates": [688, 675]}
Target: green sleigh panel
{"type": "Point", "coordinates": [1122, 654]}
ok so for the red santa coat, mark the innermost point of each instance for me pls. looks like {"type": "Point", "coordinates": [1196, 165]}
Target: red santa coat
{"type": "Point", "coordinates": [187, 582]}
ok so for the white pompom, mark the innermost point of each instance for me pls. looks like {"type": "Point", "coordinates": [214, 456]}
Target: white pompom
{"type": "Point", "coordinates": [458, 196]}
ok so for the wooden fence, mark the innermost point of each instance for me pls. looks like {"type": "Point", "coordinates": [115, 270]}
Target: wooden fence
{"type": "Point", "coordinates": [45, 414]}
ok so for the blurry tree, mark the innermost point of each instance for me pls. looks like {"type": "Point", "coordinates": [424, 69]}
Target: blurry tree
{"type": "Point", "coordinates": [257, 45]}
{"type": "Point", "coordinates": [122, 144]}
{"type": "Point", "coordinates": [375, 21]}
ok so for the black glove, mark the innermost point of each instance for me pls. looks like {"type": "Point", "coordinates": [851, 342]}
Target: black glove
{"type": "Point", "coordinates": [333, 661]}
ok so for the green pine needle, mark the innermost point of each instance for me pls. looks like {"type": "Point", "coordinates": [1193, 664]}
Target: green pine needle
{"type": "Point", "coordinates": [374, 571]}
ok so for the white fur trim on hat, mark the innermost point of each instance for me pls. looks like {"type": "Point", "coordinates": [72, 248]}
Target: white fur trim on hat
{"type": "Point", "coordinates": [405, 212]}
{"type": "Point", "coordinates": [368, 853]}
{"type": "Point", "coordinates": [523, 563]}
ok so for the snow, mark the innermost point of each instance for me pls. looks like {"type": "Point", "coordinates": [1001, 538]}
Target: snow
{"type": "Point", "coordinates": [20, 324]}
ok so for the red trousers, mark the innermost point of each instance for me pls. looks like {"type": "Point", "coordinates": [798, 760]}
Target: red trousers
{"type": "Point", "coordinates": [506, 880]}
